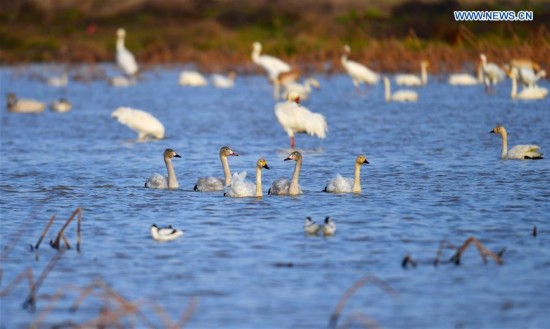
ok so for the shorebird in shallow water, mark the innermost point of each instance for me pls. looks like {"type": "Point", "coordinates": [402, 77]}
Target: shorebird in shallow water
{"type": "Point", "coordinates": [329, 228]}
{"type": "Point", "coordinates": [165, 233]}
{"type": "Point", "coordinates": [310, 227]}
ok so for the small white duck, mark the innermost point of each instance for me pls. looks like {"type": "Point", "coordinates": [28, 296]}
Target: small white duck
{"type": "Point", "coordinates": [221, 81]}
{"type": "Point", "coordinates": [58, 81]}
{"type": "Point", "coordinates": [165, 233]}
{"type": "Point", "coordinates": [192, 79]}
{"type": "Point", "coordinates": [330, 227]}
{"type": "Point", "coordinates": [61, 105]}
{"type": "Point", "coordinates": [310, 227]}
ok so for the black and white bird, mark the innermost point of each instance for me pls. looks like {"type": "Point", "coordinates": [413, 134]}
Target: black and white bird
{"type": "Point", "coordinates": [310, 227]}
{"type": "Point", "coordinates": [165, 233]}
{"type": "Point", "coordinates": [329, 228]}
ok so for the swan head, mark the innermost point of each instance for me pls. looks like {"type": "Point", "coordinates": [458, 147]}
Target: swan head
{"type": "Point", "coordinates": [483, 58]}
{"type": "Point", "coordinates": [314, 83]}
{"type": "Point", "coordinates": [293, 96]}
{"type": "Point", "coordinates": [169, 154]}
{"type": "Point", "coordinates": [12, 100]}
{"type": "Point", "coordinates": [425, 64]}
{"type": "Point", "coordinates": [361, 159]}
{"type": "Point", "coordinates": [262, 164]}
{"type": "Point", "coordinates": [499, 130]}
{"type": "Point", "coordinates": [308, 220]}
{"type": "Point", "coordinates": [347, 49]}
{"type": "Point", "coordinates": [328, 220]}
{"type": "Point", "coordinates": [294, 156]}
{"type": "Point", "coordinates": [121, 33]}
{"type": "Point", "coordinates": [256, 46]}
{"type": "Point", "coordinates": [226, 151]}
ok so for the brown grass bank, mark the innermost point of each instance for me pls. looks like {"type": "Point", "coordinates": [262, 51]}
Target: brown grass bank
{"type": "Point", "coordinates": [217, 35]}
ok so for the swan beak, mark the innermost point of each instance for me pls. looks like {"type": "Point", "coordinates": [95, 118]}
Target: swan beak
{"type": "Point", "coordinates": [366, 161]}
{"type": "Point", "coordinates": [287, 159]}
{"type": "Point", "coordinates": [177, 156]}
{"type": "Point", "coordinates": [492, 131]}
{"type": "Point", "coordinates": [266, 167]}
{"type": "Point", "coordinates": [235, 154]}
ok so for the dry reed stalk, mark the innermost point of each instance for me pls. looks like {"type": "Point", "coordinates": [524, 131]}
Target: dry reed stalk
{"type": "Point", "coordinates": [356, 286]}
{"type": "Point", "coordinates": [31, 298]}
{"type": "Point", "coordinates": [52, 219]}
{"type": "Point", "coordinates": [442, 245]}
{"type": "Point", "coordinates": [57, 240]}
{"type": "Point", "coordinates": [50, 304]}
{"type": "Point", "coordinates": [188, 312]}
{"type": "Point", "coordinates": [126, 306]}
{"type": "Point", "coordinates": [483, 252]}
{"type": "Point", "coordinates": [361, 319]}
{"type": "Point", "coordinates": [408, 260]}
{"type": "Point", "coordinates": [25, 274]}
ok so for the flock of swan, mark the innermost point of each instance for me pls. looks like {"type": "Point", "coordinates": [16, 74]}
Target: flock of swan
{"type": "Point", "coordinates": [236, 186]}
{"type": "Point", "coordinates": [293, 117]}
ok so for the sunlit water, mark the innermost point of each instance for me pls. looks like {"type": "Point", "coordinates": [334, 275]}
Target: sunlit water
{"type": "Point", "coordinates": [434, 175]}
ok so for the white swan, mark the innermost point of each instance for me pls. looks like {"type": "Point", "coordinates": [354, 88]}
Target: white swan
{"type": "Point", "coordinates": [165, 233]}
{"type": "Point", "coordinates": [15, 104]}
{"type": "Point", "coordinates": [61, 105]}
{"type": "Point", "coordinates": [414, 80]}
{"type": "Point", "coordinates": [285, 187]}
{"type": "Point", "coordinates": [529, 92]}
{"type": "Point", "coordinates": [145, 124]}
{"type": "Point", "coordinates": [214, 183]}
{"type": "Point", "coordinates": [192, 79]}
{"type": "Point", "coordinates": [400, 95]}
{"type": "Point", "coordinates": [518, 152]}
{"type": "Point", "coordinates": [310, 227]}
{"type": "Point", "coordinates": [330, 227]}
{"type": "Point", "coordinates": [462, 79]}
{"type": "Point", "coordinates": [492, 73]}
{"type": "Point", "coordinates": [161, 181]}
{"type": "Point", "coordinates": [303, 90]}
{"type": "Point", "coordinates": [359, 73]}
{"type": "Point", "coordinates": [124, 58]}
{"type": "Point", "coordinates": [121, 81]}
{"type": "Point", "coordinates": [241, 188]}
{"type": "Point", "coordinates": [221, 81]}
{"type": "Point", "coordinates": [272, 65]}
{"type": "Point", "coordinates": [341, 184]}
{"type": "Point", "coordinates": [58, 81]}
{"type": "Point", "coordinates": [295, 118]}
{"type": "Point", "coordinates": [527, 76]}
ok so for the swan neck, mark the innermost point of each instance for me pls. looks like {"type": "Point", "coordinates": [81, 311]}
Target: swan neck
{"type": "Point", "coordinates": [514, 91]}
{"type": "Point", "coordinates": [120, 44]}
{"type": "Point", "coordinates": [504, 144]}
{"type": "Point", "coordinates": [172, 179]}
{"type": "Point", "coordinates": [344, 59]}
{"type": "Point", "coordinates": [258, 182]}
{"type": "Point", "coordinates": [387, 91]}
{"type": "Point", "coordinates": [226, 171]}
{"type": "Point", "coordinates": [357, 179]}
{"type": "Point", "coordinates": [294, 186]}
{"type": "Point", "coordinates": [424, 74]}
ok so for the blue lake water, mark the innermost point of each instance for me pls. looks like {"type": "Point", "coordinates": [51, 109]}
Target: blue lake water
{"type": "Point", "coordinates": [434, 174]}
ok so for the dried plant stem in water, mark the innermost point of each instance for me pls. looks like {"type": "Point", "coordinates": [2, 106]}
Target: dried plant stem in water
{"type": "Point", "coordinates": [46, 229]}
{"type": "Point", "coordinates": [78, 212]}
{"type": "Point", "coordinates": [483, 252]}
{"type": "Point", "coordinates": [356, 286]}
